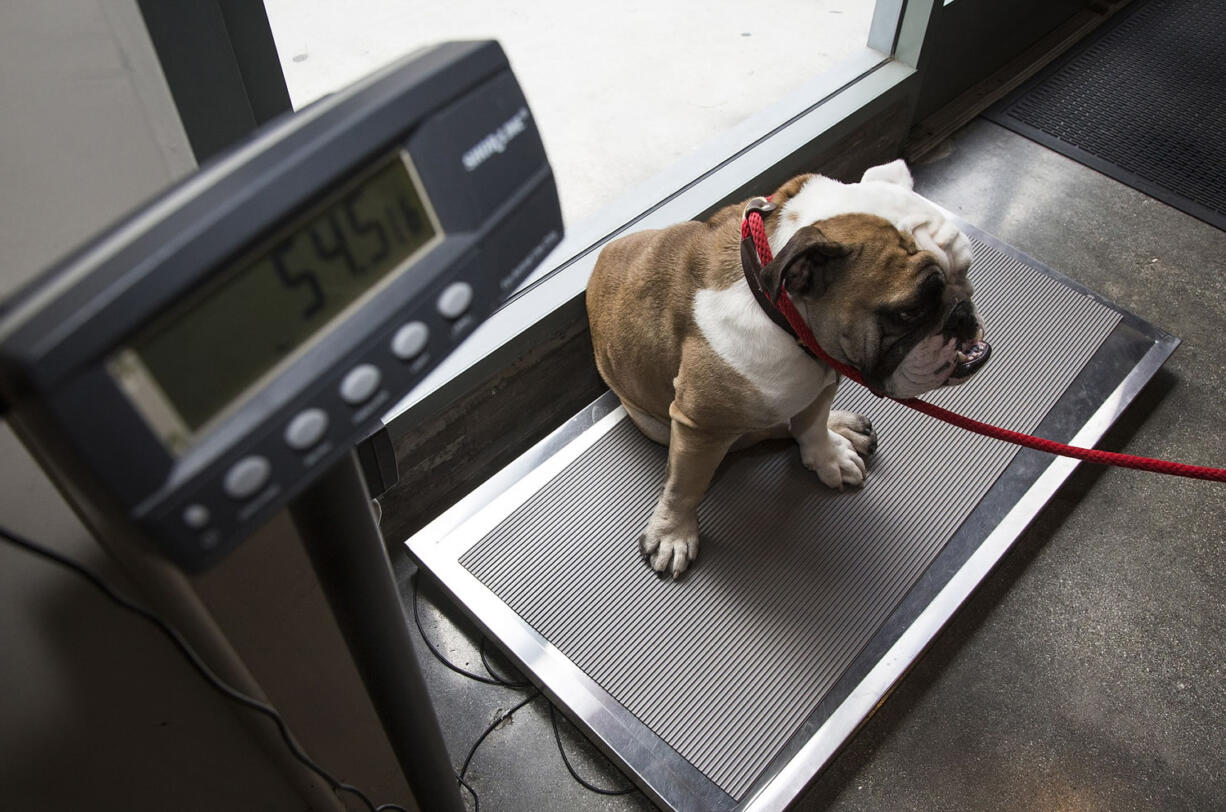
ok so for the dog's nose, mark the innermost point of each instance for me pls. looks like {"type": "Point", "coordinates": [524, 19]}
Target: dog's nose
{"type": "Point", "coordinates": [962, 323]}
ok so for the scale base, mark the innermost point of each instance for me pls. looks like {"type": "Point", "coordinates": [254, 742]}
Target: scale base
{"type": "Point", "coordinates": [732, 687]}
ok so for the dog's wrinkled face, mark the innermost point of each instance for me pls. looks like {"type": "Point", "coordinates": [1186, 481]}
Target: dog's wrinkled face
{"type": "Point", "coordinates": [880, 275]}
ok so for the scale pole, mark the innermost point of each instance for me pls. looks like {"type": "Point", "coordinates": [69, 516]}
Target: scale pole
{"type": "Point", "coordinates": [338, 530]}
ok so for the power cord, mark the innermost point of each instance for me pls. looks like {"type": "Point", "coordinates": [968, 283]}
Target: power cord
{"type": "Point", "coordinates": [495, 679]}
{"type": "Point", "coordinates": [501, 680]}
{"type": "Point", "coordinates": [472, 751]}
{"type": "Point", "coordinates": [438, 655]}
{"type": "Point", "coordinates": [198, 664]}
{"type": "Point", "coordinates": [557, 737]}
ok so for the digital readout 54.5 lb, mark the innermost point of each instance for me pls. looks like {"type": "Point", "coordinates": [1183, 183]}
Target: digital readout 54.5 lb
{"type": "Point", "coordinates": [195, 367]}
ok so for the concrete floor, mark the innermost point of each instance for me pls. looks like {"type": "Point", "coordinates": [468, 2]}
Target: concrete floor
{"type": "Point", "coordinates": [1087, 670]}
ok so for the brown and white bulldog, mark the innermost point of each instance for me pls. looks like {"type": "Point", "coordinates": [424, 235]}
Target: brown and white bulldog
{"type": "Point", "coordinates": [877, 272]}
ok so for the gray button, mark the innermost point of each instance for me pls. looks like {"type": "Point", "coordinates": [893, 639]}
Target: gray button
{"type": "Point", "coordinates": [246, 477]}
{"type": "Point", "coordinates": [360, 384]}
{"type": "Point", "coordinates": [453, 301]}
{"type": "Point", "coordinates": [196, 517]}
{"type": "Point", "coordinates": [410, 340]}
{"type": "Point", "coordinates": [306, 429]}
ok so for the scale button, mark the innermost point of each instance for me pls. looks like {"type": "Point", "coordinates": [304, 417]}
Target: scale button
{"type": "Point", "coordinates": [246, 477]}
{"type": "Point", "coordinates": [306, 429]}
{"type": "Point", "coordinates": [455, 299]}
{"type": "Point", "coordinates": [196, 516]}
{"type": "Point", "coordinates": [360, 384]}
{"type": "Point", "coordinates": [410, 340]}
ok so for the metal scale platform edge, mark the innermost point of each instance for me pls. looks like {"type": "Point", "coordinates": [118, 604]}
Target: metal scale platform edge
{"type": "Point", "coordinates": [778, 644]}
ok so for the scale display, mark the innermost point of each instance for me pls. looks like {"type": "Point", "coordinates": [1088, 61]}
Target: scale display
{"type": "Point", "coordinates": [199, 358]}
{"type": "Point", "coordinates": [195, 367]}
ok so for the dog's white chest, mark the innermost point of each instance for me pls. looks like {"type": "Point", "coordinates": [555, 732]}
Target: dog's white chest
{"type": "Point", "coordinates": [753, 345]}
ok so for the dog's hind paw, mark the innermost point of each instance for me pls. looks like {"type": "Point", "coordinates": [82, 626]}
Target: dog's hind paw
{"type": "Point", "coordinates": [857, 428]}
{"type": "Point", "coordinates": [669, 550]}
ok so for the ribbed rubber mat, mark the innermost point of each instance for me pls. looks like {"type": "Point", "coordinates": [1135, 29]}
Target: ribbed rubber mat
{"type": "Point", "coordinates": [792, 578]}
{"type": "Point", "coordinates": [1143, 102]}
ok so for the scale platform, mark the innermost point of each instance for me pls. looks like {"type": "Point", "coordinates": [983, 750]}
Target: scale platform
{"type": "Point", "coordinates": [731, 688]}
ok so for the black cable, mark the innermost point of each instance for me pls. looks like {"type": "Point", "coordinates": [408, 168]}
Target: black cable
{"type": "Point", "coordinates": [496, 679]}
{"type": "Point", "coordinates": [504, 681]}
{"type": "Point", "coordinates": [473, 792]}
{"type": "Point", "coordinates": [473, 750]}
{"type": "Point", "coordinates": [557, 736]}
{"type": "Point", "coordinates": [198, 664]}
{"type": "Point", "coordinates": [493, 679]}
{"type": "Point", "coordinates": [438, 655]}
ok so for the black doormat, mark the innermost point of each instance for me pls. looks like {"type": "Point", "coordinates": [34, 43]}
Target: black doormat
{"type": "Point", "coordinates": [1143, 100]}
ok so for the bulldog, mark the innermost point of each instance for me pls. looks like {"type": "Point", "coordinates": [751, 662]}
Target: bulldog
{"type": "Point", "coordinates": [879, 276]}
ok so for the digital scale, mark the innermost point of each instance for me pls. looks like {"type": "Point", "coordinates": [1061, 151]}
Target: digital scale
{"type": "Point", "coordinates": [214, 357]}
{"type": "Point", "coordinates": [198, 365]}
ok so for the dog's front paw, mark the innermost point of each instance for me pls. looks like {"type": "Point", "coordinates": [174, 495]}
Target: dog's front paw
{"type": "Point", "coordinates": [855, 427]}
{"type": "Point", "coordinates": [835, 461]}
{"type": "Point", "coordinates": [669, 546]}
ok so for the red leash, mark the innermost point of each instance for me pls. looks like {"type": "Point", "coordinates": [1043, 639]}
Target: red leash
{"type": "Point", "coordinates": [753, 229]}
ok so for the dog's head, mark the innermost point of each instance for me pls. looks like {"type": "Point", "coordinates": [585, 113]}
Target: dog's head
{"type": "Point", "coordinates": [879, 273]}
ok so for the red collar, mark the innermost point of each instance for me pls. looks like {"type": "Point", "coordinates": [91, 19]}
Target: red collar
{"type": "Point", "coordinates": [755, 255]}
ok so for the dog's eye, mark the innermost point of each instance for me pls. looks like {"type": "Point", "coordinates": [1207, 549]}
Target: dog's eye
{"type": "Point", "coordinates": [907, 316]}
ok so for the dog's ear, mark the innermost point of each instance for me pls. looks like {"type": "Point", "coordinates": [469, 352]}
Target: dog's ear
{"type": "Point", "coordinates": [806, 266]}
{"type": "Point", "coordinates": [895, 172]}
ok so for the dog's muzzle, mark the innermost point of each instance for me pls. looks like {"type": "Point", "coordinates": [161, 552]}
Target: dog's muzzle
{"type": "Point", "coordinates": [973, 352]}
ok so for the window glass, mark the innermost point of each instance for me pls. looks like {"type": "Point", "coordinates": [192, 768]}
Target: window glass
{"type": "Point", "coordinates": [620, 90]}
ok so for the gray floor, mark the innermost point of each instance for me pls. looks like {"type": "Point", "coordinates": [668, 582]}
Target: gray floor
{"type": "Point", "coordinates": [1087, 671]}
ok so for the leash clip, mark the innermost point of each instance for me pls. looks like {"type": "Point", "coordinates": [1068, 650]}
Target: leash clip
{"type": "Point", "coordinates": [761, 205]}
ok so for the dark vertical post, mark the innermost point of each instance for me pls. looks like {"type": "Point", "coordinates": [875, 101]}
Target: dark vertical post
{"type": "Point", "coordinates": [340, 535]}
{"type": "Point", "coordinates": [221, 64]}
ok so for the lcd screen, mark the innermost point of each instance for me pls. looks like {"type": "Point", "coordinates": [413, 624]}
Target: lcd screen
{"type": "Point", "coordinates": [206, 352]}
